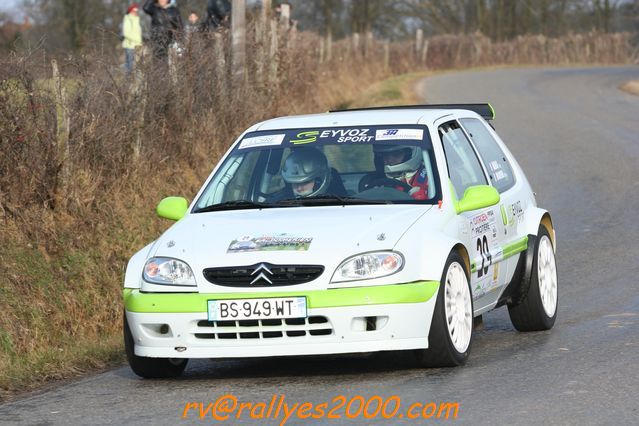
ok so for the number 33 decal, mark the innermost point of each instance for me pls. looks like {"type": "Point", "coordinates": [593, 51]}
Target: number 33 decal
{"type": "Point", "coordinates": [486, 257]}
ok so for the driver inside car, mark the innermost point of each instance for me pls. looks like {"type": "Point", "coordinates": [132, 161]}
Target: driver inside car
{"type": "Point", "coordinates": [405, 164]}
{"type": "Point", "coordinates": [307, 173]}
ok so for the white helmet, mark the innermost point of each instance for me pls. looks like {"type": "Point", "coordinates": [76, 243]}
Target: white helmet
{"type": "Point", "coordinates": [304, 165]}
{"type": "Point", "coordinates": [410, 163]}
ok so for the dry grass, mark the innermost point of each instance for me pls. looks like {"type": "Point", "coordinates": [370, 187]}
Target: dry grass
{"type": "Point", "coordinates": [631, 87]}
{"type": "Point", "coordinates": [398, 90]}
{"type": "Point", "coordinates": [82, 171]}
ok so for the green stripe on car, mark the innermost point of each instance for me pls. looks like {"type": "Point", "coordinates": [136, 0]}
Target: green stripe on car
{"type": "Point", "coordinates": [416, 292]}
{"type": "Point", "coordinates": [515, 247]}
{"type": "Point", "coordinates": [509, 250]}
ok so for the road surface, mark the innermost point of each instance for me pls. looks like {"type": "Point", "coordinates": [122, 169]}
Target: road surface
{"type": "Point", "coordinates": [577, 137]}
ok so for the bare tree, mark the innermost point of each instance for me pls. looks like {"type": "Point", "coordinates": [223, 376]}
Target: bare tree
{"type": "Point", "coordinates": [70, 24]}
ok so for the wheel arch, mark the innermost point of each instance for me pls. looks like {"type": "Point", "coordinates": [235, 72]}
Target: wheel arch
{"type": "Point", "coordinates": [517, 290]}
{"type": "Point", "coordinates": [546, 220]}
{"type": "Point", "coordinates": [463, 252]}
{"type": "Point", "coordinates": [539, 217]}
{"type": "Point", "coordinates": [434, 254]}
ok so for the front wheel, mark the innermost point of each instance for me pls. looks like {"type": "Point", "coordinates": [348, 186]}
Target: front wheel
{"type": "Point", "coordinates": [451, 330]}
{"type": "Point", "coordinates": [538, 310]}
{"type": "Point", "coordinates": [150, 368]}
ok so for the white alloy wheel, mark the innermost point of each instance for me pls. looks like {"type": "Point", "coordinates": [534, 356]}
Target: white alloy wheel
{"type": "Point", "coordinates": [547, 273]}
{"type": "Point", "coordinates": [537, 311]}
{"type": "Point", "coordinates": [458, 307]}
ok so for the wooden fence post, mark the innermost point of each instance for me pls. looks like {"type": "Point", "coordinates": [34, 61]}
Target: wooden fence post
{"type": "Point", "coordinates": [138, 93]}
{"type": "Point", "coordinates": [266, 11]}
{"type": "Point", "coordinates": [262, 28]}
{"type": "Point", "coordinates": [238, 35]}
{"type": "Point", "coordinates": [386, 55]}
{"type": "Point", "coordinates": [285, 15]}
{"type": "Point", "coordinates": [260, 55]}
{"type": "Point", "coordinates": [63, 124]}
{"type": "Point", "coordinates": [329, 46]}
{"type": "Point", "coordinates": [273, 58]}
{"type": "Point", "coordinates": [419, 39]}
{"type": "Point", "coordinates": [425, 54]}
{"type": "Point", "coordinates": [221, 71]}
{"type": "Point", "coordinates": [368, 43]}
{"type": "Point", "coordinates": [355, 44]}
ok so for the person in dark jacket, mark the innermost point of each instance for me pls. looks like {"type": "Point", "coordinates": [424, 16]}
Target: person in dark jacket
{"type": "Point", "coordinates": [166, 25]}
{"type": "Point", "coordinates": [218, 14]}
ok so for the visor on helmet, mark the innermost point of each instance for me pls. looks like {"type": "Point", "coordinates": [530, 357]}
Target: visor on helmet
{"type": "Point", "coordinates": [304, 165]}
{"type": "Point", "coordinates": [410, 162]}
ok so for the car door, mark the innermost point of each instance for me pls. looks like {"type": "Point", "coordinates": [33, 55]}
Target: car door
{"type": "Point", "coordinates": [481, 230]}
{"type": "Point", "coordinates": [512, 203]}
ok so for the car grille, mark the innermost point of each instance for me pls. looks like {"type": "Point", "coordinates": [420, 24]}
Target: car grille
{"type": "Point", "coordinates": [263, 275]}
{"type": "Point", "coordinates": [264, 329]}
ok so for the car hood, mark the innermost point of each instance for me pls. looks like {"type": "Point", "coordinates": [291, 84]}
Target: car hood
{"type": "Point", "coordinates": [323, 235]}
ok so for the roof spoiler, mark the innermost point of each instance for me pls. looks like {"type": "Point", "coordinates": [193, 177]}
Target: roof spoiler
{"type": "Point", "coordinates": [486, 111]}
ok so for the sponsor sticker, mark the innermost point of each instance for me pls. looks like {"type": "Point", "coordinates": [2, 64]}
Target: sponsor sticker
{"type": "Point", "coordinates": [399, 134]}
{"type": "Point", "coordinates": [515, 213]}
{"type": "Point", "coordinates": [497, 171]}
{"type": "Point", "coordinates": [265, 140]}
{"type": "Point", "coordinates": [483, 223]}
{"type": "Point", "coordinates": [270, 243]}
{"type": "Point", "coordinates": [499, 175]}
{"type": "Point", "coordinates": [305, 137]}
{"type": "Point", "coordinates": [347, 135]}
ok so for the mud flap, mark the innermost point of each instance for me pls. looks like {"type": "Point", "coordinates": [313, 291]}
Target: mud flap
{"type": "Point", "coordinates": [517, 289]}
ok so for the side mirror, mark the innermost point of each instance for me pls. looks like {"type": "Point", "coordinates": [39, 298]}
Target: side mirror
{"type": "Point", "coordinates": [173, 208]}
{"type": "Point", "coordinates": [477, 197]}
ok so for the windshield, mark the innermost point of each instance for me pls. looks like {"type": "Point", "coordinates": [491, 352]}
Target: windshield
{"type": "Point", "coordinates": [325, 166]}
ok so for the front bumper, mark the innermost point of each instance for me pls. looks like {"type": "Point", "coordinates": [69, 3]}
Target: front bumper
{"type": "Point", "coordinates": [351, 320]}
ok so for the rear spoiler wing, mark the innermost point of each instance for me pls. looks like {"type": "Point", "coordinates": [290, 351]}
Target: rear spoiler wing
{"type": "Point", "coordinates": [486, 111]}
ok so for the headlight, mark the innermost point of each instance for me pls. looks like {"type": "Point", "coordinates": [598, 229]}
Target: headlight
{"type": "Point", "coordinates": [167, 271]}
{"type": "Point", "coordinates": [367, 266]}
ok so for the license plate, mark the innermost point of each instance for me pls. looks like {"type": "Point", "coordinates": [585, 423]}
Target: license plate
{"type": "Point", "coordinates": [252, 309]}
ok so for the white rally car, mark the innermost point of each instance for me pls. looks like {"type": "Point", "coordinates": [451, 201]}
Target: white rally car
{"type": "Point", "coordinates": [351, 231]}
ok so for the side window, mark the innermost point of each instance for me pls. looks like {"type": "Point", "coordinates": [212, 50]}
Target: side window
{"type": "Point", "coordinates": [499, 170]}
{"type": "Point", "coordinates": [463, 166]}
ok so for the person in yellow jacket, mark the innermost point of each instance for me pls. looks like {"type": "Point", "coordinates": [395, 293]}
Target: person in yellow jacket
{"type": "Point", "coordinates": [132, 33]}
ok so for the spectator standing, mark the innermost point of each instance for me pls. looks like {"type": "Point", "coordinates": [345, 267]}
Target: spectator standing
{"type": "Point", "coordinates": [132, 34]}
{"type": "Point", "coordinates": [218, 14]}
{"type": "Point", "coordinates": [193, 24]}
{"type": "Point", "coordinates": [166, 25]}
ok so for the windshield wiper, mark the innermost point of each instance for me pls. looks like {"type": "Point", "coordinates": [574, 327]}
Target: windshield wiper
{"type": "Point", "coordinates": [328, 199]}
{"type": "Point", "coordinates": [235, 205]}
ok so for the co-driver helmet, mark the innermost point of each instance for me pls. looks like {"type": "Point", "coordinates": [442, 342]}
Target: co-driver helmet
{"type": "Point", "coordinates": [410, 162]}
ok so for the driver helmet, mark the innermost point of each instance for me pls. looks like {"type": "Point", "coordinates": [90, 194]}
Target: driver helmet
{"type": "Point", "coordinates": [304, 166]}
{"type": "Point", "coordinates": [409, 162]}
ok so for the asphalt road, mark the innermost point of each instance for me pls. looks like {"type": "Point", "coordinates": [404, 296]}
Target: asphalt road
{"type": "Point", "coordinates": [577, 137]}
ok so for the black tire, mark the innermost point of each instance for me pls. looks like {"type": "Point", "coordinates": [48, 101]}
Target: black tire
{"type": "Point", "coordinates": [530, 314]}
{"type": "Point", "coordinates": [441, 351]}
{"type": "Point", "coordinates": [151, 368]}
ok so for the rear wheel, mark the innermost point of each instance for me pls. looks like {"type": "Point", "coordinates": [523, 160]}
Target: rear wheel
{"type": "Point", "coordinates": [451, 330]}
{"type": "Point", "coordinates": [150, 368]}
{"type": "Point", "coordinates": [538, 310]}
